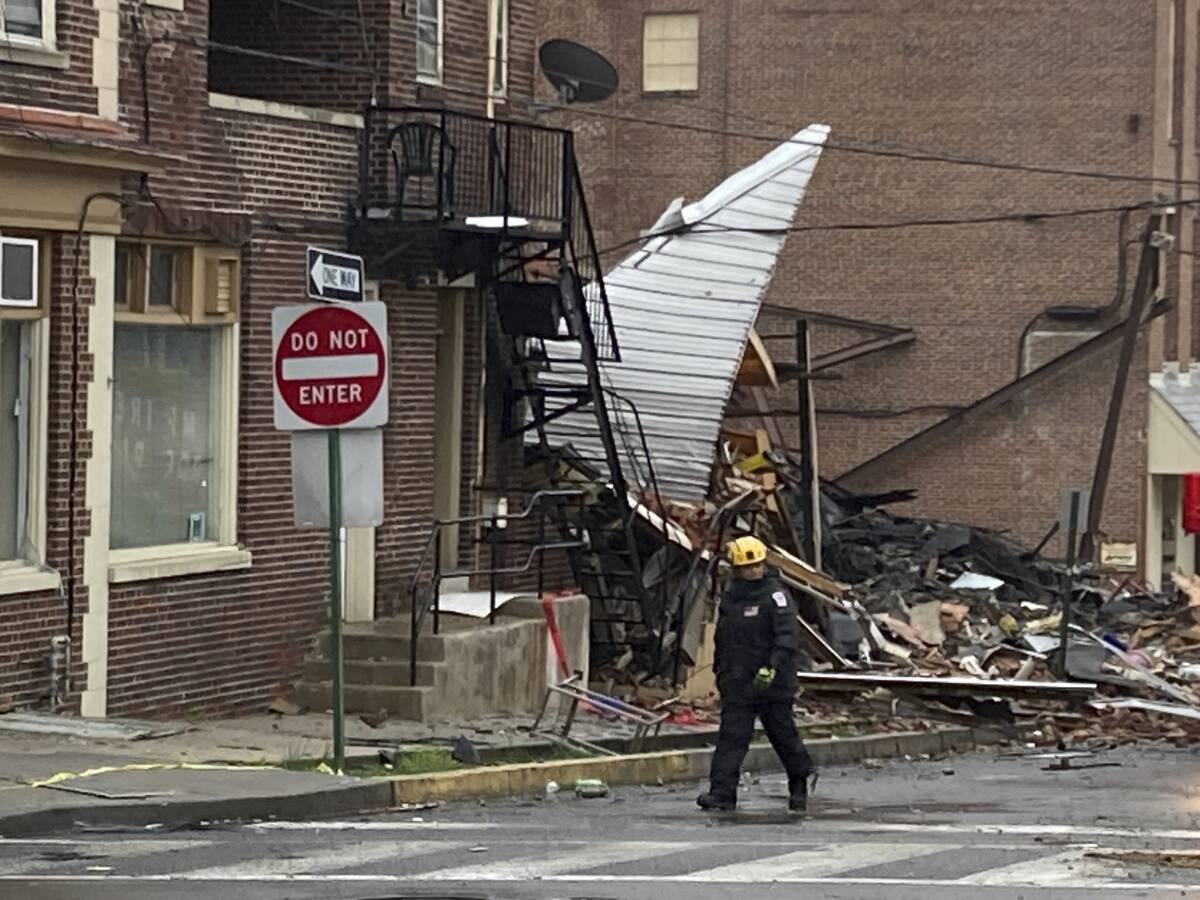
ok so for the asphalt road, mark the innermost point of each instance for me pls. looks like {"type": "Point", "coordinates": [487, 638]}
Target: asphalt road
{"type": "Point", "coordinates": [978, 827]}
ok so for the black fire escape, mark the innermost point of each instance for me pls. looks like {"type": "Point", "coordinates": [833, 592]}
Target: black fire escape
{"type": "Point", "coordinates": [455, 194]}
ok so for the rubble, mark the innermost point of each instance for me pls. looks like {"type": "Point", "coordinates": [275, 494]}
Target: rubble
{"type": "Point", "coordinates": [948, 621]}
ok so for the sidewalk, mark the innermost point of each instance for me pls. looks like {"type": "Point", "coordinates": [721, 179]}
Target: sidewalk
{"type": "Point", "coordinates": [263, 767]}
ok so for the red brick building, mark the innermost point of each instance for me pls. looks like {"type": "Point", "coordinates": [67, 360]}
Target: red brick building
{"type": "Point", "coordinates": [938, 111]}
{"type": "Point", "coordinates": [163, 166]}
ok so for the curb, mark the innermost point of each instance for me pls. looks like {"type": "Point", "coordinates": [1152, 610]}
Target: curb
{"type": "Point", "coordinates": [361, 797]}
{"type": "Point", "coordinates": [377, 795]}
{"type": "Point", "coordinates": [673, 766]}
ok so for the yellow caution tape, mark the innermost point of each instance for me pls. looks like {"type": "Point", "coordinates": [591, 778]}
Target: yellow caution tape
{"type": "Point", "coordinates": [143, 767]}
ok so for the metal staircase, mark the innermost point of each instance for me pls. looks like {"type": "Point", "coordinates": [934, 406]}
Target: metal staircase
{"type": "Point", "coordinates": [610, 563]}
{"type": "Point", "coordinates": [537, 261]}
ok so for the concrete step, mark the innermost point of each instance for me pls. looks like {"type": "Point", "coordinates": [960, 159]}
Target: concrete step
{"type": "Point", "coordinates": [362, 647]}
{"type": "Point", "coordinates": [387, 673]}
{"type": "Point", "coordinates": [400, 702]}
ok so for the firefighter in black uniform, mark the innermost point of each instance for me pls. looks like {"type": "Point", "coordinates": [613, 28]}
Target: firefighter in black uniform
{"type": "Point", "coordinates": [757, 652]}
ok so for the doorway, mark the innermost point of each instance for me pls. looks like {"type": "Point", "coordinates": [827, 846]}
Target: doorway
{"type": "Point", "coordinates": [448, 393]}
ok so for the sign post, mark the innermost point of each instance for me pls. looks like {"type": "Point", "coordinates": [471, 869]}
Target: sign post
{"type": "Point", "coordinates": [330, 372]}
{"type": "Point", "coordinates": [335, 598]}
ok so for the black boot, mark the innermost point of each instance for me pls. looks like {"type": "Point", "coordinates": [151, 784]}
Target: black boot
{"type": "Point", "coordinates": [798, 801]}
{"type": "Point", "coordinates": [716, 802]}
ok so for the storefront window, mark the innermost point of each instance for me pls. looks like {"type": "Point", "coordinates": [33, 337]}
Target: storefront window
{"type": "Point", "coordinates": [166, 426]}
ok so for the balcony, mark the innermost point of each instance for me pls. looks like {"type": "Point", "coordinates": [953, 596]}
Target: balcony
{"type": "Point", "coordinates": [441, 191]}
{"type": "Point", "coordinates": [448, 193]}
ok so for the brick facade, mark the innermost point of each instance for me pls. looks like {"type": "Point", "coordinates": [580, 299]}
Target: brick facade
{"type": "Point", "coordinates": [226, 642]}
{"type": "Point", "coordinates": [1068, 85]}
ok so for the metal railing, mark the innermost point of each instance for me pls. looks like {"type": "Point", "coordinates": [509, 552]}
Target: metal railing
{"type": "Point", "coordinates": [460, 165]}
{"type": "Point", "coordinates": [448, 167]}
{"type": "Point", "coordinates": [424, 602]}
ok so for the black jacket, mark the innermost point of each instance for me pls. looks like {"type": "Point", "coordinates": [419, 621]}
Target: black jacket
{"type": "Point", "coordinates": [756, 627]}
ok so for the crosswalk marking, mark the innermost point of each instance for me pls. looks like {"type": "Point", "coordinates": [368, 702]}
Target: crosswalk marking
{"type": "Point", "coordinates": [1065, 831]}
{"type": "Point", "coordinates": [109, 850]}
{"type": "Point", "coordinates": [819, 861]}
{"type": "Point", "coordinates": [372, 826]}
{"type": "Point", "coordinates": [331, 859]}
{"type": "Point", "coordinates": [1046, 871]}
{"type": "Point", "coordinates": [815, 861]}
{"type": "Point", "coordinates": [1091, 885]}
{"type": "Point", "coordinates": [573, 859]}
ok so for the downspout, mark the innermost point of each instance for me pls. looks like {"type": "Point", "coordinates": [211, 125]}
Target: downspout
{"type": "Point", "coordinates": [481, 404]}
{"type": "Point", "coordinates": [1187, 194]}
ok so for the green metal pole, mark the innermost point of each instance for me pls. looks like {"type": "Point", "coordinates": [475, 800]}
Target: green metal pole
{"type": "Point", "coordinates": [335, 597]}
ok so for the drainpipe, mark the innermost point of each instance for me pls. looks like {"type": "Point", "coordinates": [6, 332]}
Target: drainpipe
{"type": "Point", "coordinates": [1164, 151]}
{"type": "Point", "coordinates": [493, 29]}
{"type": "Point", "coordinates": [1187, 174]}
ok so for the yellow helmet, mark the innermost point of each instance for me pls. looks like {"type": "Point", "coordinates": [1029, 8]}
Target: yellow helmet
{"type": "Point", "coordinates": [747, 551]}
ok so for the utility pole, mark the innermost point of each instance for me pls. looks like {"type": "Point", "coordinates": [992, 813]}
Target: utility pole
{"type": "Point", "coordinates": [810, 488]}
{"type": "Point", "coordinates": [1143, 288]}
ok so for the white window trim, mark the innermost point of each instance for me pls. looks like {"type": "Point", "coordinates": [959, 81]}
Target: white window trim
{"type": "Point", "coordinates": [223, 553]}
{"type": "Point", "coordinates": [32, 244]}
{"type": "Point", "coordinates": [18, 576]}
{"type": "Point", "coordinates": [174, 560]}
{"type": "Point", "coordinates": [176, 5]}
{"type": "Point", "coordinates": [293, 111]}
{"type": "Point", "coordinates": [425, 77]}
{"type": "Point", "coordinates": [49, 38]}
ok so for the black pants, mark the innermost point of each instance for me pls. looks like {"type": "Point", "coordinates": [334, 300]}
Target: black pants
{"type": "Point", "coordinates": [733, 740]}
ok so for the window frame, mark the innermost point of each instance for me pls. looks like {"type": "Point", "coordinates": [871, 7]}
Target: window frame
{"type": "Point", "coordinates": [29, 570]}
{"type": "Point", "coordinates": [646, 65]}
{"type": "Point", "coordinates": [36, 246]}
{"type": "Point", "coordinates": [49, 38]}
{"type": "Point", "coordinates": [437, 77]}
{"type": "Point", "coordinates": [503, 33]}
{"type": "Point", "coordinates": [219, 550]}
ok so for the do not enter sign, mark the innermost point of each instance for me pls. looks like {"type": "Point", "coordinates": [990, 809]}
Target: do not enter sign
{"type": "Point", "coordinates": [330, 366]}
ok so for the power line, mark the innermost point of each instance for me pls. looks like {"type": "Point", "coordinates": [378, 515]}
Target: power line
{"type": "Point", "coordinates": [834, 145]}
{"type": "Point", "coordinates": [1028, 216]}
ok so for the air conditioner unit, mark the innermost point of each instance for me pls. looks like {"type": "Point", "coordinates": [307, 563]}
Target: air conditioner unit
{"type": "Point", "coordinates": [18, 272]}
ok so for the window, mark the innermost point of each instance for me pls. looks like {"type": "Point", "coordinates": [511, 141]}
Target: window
{"type": "Point", "coordinates": [174, 396]}
{"type": "Point", "coordinates": [18, 271]}
{"type": "Point", "coordinates": [166, 432]}
{"type": "Point", "coordinates": [429, 40]}
{"type": "Point", "coordinates": [671, 52]}
{"type": "Point", "coordinates": [23, 403]}
{"type": "Point", "coordinates": [27, 21]}
{"type": "Point", "coordinates": [500, 51]}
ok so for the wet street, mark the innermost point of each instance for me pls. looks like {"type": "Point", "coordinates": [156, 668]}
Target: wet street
{"type": "Point", "coordinates": [983, 826]}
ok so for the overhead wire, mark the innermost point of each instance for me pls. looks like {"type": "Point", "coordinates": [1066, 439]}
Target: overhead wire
{"type": "Point", "coordinates": [835, 145]}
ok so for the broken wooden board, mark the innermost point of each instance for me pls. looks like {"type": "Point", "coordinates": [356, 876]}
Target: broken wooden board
{"type": "Point", "coordinates": [802, 571]}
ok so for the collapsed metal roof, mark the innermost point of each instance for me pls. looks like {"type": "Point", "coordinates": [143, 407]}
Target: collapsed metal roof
{"type": "Point", "coordinates": [683, 306]}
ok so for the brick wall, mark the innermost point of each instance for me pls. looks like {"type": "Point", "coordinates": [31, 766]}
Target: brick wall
{"type": "Point", "coordinates": [29, 621]}
{"type": "Point", "coordinates": [229, 642]}
{"type": "Point", "coordinates": [70, 89]}
{"type": "Point", "coordinates": [1065, 85]}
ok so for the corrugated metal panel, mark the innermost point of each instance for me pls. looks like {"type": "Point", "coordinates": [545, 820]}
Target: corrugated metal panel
{"type": "Point", "coordinates": [683, 307]}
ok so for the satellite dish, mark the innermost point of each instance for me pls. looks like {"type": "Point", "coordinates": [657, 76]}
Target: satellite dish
{"type": "Point", "coordinates": [578, 73]}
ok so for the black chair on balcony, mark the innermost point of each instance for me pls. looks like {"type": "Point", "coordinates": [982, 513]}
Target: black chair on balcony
{"type": "Point", "coordinates": [423, 150]}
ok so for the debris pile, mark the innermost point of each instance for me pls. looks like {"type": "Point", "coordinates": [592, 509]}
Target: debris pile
{"type": "Point", "coordinates": [952, 622]}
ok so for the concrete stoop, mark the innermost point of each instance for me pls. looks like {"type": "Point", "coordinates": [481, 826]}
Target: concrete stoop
{"type": "Point", "coordinates": [470, 670]}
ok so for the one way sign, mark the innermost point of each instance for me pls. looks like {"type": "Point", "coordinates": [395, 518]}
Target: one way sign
{"type": "Point", "coordinates": [334, 276]}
